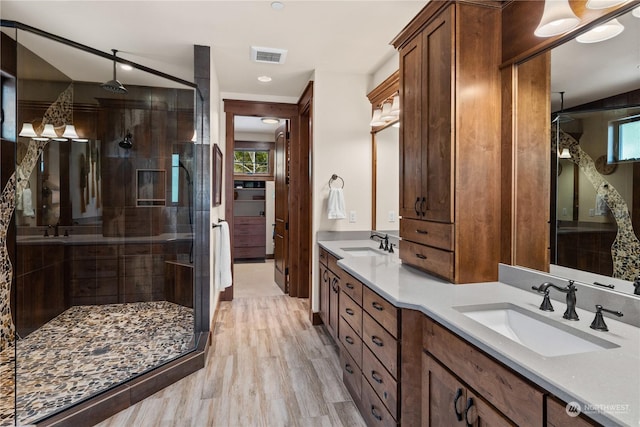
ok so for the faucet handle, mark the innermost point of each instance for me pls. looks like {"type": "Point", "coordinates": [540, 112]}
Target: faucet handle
{"type": "Point", "coordinates": [391, 245]}
{"type": "Point", "coordinates": [546, 301]}
{"type": "Point", "coordinates": [598, 322]}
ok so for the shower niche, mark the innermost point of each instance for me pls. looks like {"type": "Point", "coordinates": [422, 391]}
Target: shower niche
{"type": "Point", "coordinates": [99, 220]}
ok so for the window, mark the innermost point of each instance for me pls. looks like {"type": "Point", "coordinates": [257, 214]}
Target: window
{"type": "Point", "coordinates": [624, 139]}
{"type": "Point", "coordinates": [175, 178]}
{"type": "Point", "coordinates": [251, 162]}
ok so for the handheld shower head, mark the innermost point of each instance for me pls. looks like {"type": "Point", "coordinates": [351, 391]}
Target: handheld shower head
{"type": "Point", "coordinates": [114, 85]}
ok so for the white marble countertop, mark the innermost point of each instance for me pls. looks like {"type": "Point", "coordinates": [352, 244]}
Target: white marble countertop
{"type": "Point", "coordinates": [606, 383]}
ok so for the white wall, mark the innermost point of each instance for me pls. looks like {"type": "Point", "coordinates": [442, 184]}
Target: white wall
{"type": "Point", "coordinates": [255, 136]}
{"type": "Point", "coordinates": [342, 146]}
{"type": "Point", "coordinates": [387, 68]}
{"type": "Point", "coordinates": [216, 116]}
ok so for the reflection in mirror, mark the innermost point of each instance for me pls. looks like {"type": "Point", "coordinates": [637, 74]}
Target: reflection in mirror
{"type": "Point", "coordinates": [387, 178]}
{"type": "Point", "coordinates": [103, 288]}
{"type": "Point", "coordinates": [597, 187]}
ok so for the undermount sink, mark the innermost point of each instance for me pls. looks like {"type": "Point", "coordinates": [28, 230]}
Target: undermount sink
{"type": "Point", "coordinates": [363, 251]}
{"type": "Point", "coordinates": [538, 333]}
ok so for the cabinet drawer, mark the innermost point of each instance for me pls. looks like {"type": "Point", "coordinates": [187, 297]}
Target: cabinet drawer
{"type": "Point", "coordinates": [351, 342]}
{"type": "Point", "coordinates": [437, 234]}
{"type": "Point", "coordinates": [249, 229]}
{"type": "Point", "coordinates": [502, 388]}
{"type": "Point", "coordinates": [247, 240]}
{"type": "Point", "coordinates": [249, 252]}
{"type": "Point", "coordinates": [375, 413]}
{"type": "Point", "coordinates": [351, 286]}
{"type": "Point", "coordinates": [433, 260]}
{"type": "Point", "coordinates": [381, 310]}
{"type": "Point", "coordinates": [351, 374]}
{"type": "Point", "coordinates": [381, 381]}
{"type": "Point", "coordinates": [381, 343]}
{"type": "Point", "coordinates": [323, 256]}
{"type": "Point", "coordinates": [332, 263]}
{"type": "Point", "coordinates": [248, 220]}
{"type": "Point", "coordinates": [351, 312]}
{"type": "Point", "coordinates": [557, 415]}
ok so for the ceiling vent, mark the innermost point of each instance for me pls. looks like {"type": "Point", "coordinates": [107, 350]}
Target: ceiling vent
{"type": "Point", "coordinates": [268, 55]}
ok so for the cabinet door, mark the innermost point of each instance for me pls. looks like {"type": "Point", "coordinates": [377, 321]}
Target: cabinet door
{"type": "Point", "coordinates": [410, 129]}
{"type": "Point", "coordinates": [478, 413]}
{"type": "Point", "coordinates": [324, 294]}
{"type": "Point", "coordinates": [334, 309]}
{"type": "Point", "coordinates": [437, 116]}
{"type": "Point", "coordinates": [443, 396]}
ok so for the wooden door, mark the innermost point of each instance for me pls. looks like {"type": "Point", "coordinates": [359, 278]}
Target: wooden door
{"type": "Point", "coordinates": [443, 396]}
{"type": "Point", "coordinates": [437, 109]}
{"type": "Point", "coordinates": [410, 129]}
{"type": "Point", "coordinates": [281, 237]}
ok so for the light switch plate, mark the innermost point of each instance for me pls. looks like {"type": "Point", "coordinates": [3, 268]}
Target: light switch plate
{"type": "Point", "coordinates": [352, 216]}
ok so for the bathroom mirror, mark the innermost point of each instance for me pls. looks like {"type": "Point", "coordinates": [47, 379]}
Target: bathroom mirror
{"type": "Point", "coordinates": [385, 137]}
{"type": "Point", "coordinates": [597, 79]}
{"type": "Point", "coordinates": [387, 146]}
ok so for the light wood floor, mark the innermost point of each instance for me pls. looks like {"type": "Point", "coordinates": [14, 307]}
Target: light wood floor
{"type": "Point", "coordinates": [268, 366]}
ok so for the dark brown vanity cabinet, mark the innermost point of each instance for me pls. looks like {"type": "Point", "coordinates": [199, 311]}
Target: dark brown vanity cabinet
{"type": "Point", "coordinates": [450, 140]}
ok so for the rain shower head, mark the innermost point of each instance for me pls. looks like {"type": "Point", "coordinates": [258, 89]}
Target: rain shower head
{"type": "Point", "coordinates": [127, 142]}
{"type": "Point", "coordinates": [114, 85]}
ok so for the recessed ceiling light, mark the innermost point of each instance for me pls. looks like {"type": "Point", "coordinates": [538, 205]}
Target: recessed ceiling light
{"type": "Point", "coordinates": [126, 67]}
{"type": "Point", "coordinates": [264, 79]}
{"type": "Point", "coordinates": [277, 5]}
{"type": "Point", "coordinates": [270, 120]}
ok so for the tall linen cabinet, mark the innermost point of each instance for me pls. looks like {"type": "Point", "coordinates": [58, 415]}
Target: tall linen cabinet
{"type": "Point", "coordinates": [450, 140]}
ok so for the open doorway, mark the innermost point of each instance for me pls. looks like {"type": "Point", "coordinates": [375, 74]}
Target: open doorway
{"type": "Point", "coordinates": [256, 165]}
{"type": "Point", "coordinates": [291, 178]}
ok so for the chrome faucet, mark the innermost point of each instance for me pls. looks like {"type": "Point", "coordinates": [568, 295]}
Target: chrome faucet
{"type": "Point", "coordinates": [570, 290]}
{"type": "Point", "coordinates": [384, 241]}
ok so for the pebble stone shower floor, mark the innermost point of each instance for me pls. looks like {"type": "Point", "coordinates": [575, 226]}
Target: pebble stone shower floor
{"type": "Point", "coordinates": [87, 349]}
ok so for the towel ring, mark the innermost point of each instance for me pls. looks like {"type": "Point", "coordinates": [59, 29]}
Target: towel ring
{"type": "Point", "coordinates": [336, 177]}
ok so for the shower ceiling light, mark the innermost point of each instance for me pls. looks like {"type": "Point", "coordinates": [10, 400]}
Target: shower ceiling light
{"type": "Point", "coordinates": [604, 4]}
{"type": "Point", "coordinates": [557, 18]}
{"type": "Point", "coordinates": [603, 32]}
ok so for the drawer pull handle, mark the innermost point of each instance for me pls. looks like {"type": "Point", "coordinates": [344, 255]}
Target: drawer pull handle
{"type": "Point", "coordinates": [377, 341]}
{"type": "Point", "coordinates": [422, 232]}
{"type": "Point", "coordinates": [377, 306]}
{"type": "Point", "coordinates": [415, 206]}
{"type": "Point", "coordinates": [375, 414]}
{"type": "Point", "coordinates": [348, 368]}
{"type": "Point", "coordinates": [376, 377]}
{"type": "Point", "coordinates": [455, 404]}
{"type": "Point", "coordinates": [349, 311]}
{"type": "Point", "coordinates": [466, 412]}
{"type": "Point", "coordinates": [350, 286]}
{"type": "Point", "coordinates": [421, 256]}
{"type": "Point", "coordinates": [349, 339]}
{"type": "Point", "coordinates": [324, 276]}
{"type": "Point", "coordinates": [423, 206]}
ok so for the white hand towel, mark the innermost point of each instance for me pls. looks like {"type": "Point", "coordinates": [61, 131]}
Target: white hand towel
{"type": "Point", "coordinates": [27, 203]}
{"type": "Point", "coordinates": [335, 204]}
{"type": "Point", "coordinates": [223, 257]}
{"type": "Point", "coordinates": [601, 205]}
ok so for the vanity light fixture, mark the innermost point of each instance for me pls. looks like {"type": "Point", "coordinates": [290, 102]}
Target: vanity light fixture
{"type": "Point", "coordinates": [604, 4]}
{"type": "Point", "coordinates": [28, 131]}
{"type": "Point", "coordinates": [385, 114]}
{"type": "Point", "coordinates": [49, 131]}
{"type": "Point", "coordinates": [194, 138]}
{"type": "Point", "coordinates": [395, 106]}
{"type": "Point", "coordinates": [636, 12]}
{"type": "Point", "coordinates": [270, 120]}
{"type": "Point", "coordinates": [376, 120]}
{"type": "Point", "coordinates": [603, 32]}
{"type": "Point", "coordinates": [557, 18]}
{"type": "Point", "coordinates": [564, 154]}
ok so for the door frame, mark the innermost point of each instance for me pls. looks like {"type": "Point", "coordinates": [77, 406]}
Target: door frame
{"type": "Point", "coordinates": [290, 112]}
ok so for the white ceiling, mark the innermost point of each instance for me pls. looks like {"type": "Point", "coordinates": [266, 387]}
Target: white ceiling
{"type": "Point", "coordinates": [347, 36]}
